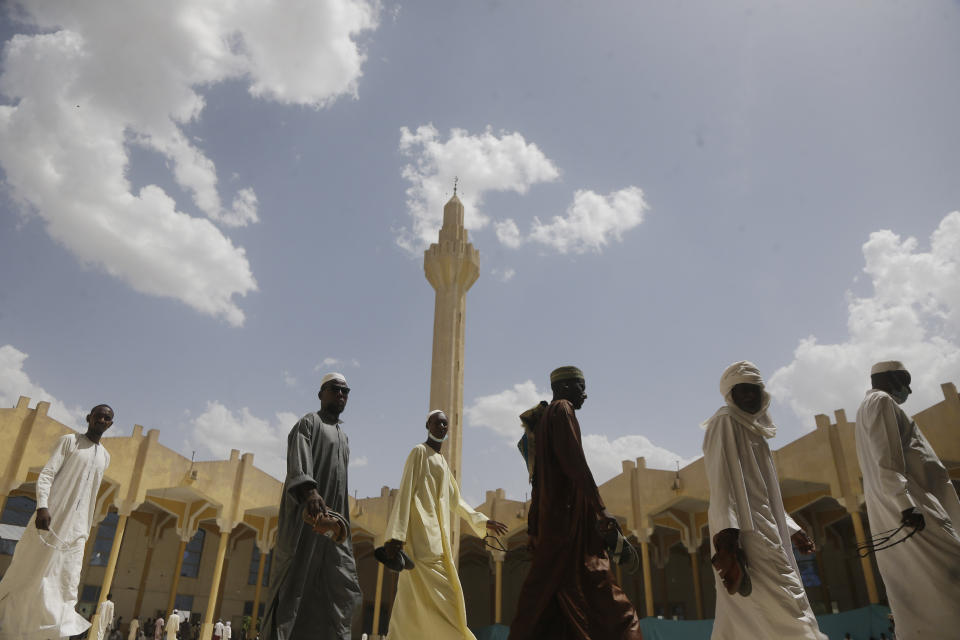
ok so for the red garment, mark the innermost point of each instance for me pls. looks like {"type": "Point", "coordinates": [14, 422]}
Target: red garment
{"type": "Point", "coordinates": [570, 592]}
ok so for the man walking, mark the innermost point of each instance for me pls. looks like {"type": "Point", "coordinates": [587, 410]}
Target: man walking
{"type": "Point", "coordinates": [570, 592]}
{"type": "Point", "coordinates": [317, 587]}
{"type": "Point", "coordinates": [909, 492]}
{"type": "Point", "coordinates": [759, 591]}
{"type": "Point", "coordinates": [105, 619]}
{"type": "Point", "coordinates": [38, 594]}
{"type": "Point", "coordinates": [430, 597]}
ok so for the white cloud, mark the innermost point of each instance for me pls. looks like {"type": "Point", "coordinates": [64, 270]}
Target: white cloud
{"type": "Point", "coordinates": [289, 379]}
{"type": "Point", "coordinates": [14, 382]}
{"type": "Point", "coordinates": [504, 275]}
{"type": "Point", "coordinates": [500, 412]}
{"type": "Point", "coordinates": [362, 461]}
{"type": "Point", "coordinates": [605, 456]}
{"type": "Point", "coordinates": [508, 233]}
{"type": "Point", "coordinates": [912, 315]}
{"type": "Point", "coordinates": [591, 221]}
{"type": "Point", "coordinates": [218, 430]}
{"type": "Point", "coordinates": [101, 76]}
{"type": "Point", "coordinates": [328, 362]}
{"type": "Point", "coordinates": [484, 162]}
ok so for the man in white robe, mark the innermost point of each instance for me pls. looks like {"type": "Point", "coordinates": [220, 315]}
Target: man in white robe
{"type": "Point", "coordinates": [38, 594]}
{"type": "Point", "coordinates": [105, 619]}
{"type": "Point", "coordinates": [905, 483]}
{"type": "Point", "coordinates": [173, 625]}
{"type": "Point", "coordinates": [158, 628]}
{"type": "Point", "coordinates": [429, 600]}
{"type": "Point", "coordinates": [134, 631]}
{"type": "Point", "coordinates": [227, 631]}
{"type": "Point", "coordinates": [218, 630]}
{"type": "Point", "coordinates": [746, 513]}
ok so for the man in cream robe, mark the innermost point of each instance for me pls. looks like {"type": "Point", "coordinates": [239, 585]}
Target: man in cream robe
{"type": "Point", "coordinates": [173, 625]}
{"type": "Point", "coordinates": [746, 507]}
{"type": "Point", "coordinates": [38, 594]}
{"type": "Point", "coordinates": [105, 619]}
{"type": "Point", "coordinates": [904, 482]}
{"type": "Point", "coordinates": [429, 602]}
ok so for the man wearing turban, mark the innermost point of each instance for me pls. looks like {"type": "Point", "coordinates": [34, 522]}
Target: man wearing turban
{"type": "Point", "coordinates": [759, 591]}
{"type": "Point", "coordinates": [905, 484]}
{"type": "Point", "coordinates": [316, 586]}
{"type": "Point", "coordinates": [429, 597]}
{"type": "Point", "coordinates": [570, 592]}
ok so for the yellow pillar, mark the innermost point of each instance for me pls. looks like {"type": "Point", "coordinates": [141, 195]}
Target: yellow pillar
{"type": "Point", "coordinates": [256, 595]}
{"type": "Point", "coordinates": [498, 557]}
{"type": "Point", "coordinates": [865, 562]}
{"type": "Point", "coordinates": [647, 579]}
{"type": "Point", "coordinates": [176, 578]}
{"type": "Point", "coordinates": [111, 567]}
{"type": "Point", "coordinates": [143, 581]}
{"type": "Point", "coordinates": [3, 504]}
{"type": "Point", "coordinates": [695, 567]}
{"type": "Point", "coordinates": [375, 632]}
{"type": "Point", "coordinates": [206, 631]}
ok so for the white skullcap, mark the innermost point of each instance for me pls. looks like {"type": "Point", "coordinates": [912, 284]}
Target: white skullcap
{"type": "Point", "coordinates": [888, 365]}
{"type": "Point", "coordinates": [331, 377]}
{"type": "Point", "coordinates": [434, 412]}
{"type": "Point", "coordinates": [743, 372]}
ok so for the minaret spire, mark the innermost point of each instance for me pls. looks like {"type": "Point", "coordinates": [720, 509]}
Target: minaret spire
{"type": "Point", "coordinates": [451, 265]}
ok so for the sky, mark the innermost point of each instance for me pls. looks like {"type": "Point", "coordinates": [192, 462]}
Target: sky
{"type": "Point", "coordinates": [208, 204]}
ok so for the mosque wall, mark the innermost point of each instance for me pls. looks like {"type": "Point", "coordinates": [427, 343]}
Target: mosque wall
{"type": "Point", "coordinates": [167, 499]}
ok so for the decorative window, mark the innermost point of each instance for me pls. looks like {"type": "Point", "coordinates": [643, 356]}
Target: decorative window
{"type": "Point", "coordinates": [191, 555]}
{"type": "Point", "coordinates": [255, 564]}
{"type": "Point", "coordinates": [104, 540]}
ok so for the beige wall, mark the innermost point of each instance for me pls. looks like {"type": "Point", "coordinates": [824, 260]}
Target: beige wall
{"type": "Point", "coordinates": [820, 481]}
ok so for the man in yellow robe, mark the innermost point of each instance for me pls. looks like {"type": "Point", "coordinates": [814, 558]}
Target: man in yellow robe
{"type": "Point", "coordinates": [429, 597]}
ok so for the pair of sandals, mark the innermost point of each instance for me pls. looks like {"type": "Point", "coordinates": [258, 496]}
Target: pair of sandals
{"type": "Point", "coordinates": [731, 562]}
{"type": "Point", "coordinates": [333, 525]}
{"type": "Point", "coordinates": [398, 562]}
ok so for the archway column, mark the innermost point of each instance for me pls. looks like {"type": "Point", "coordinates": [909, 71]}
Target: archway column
{"type": "Point", "coordinates": [143, 579]}
{"type": "Point", "coordinates": [257, 592]}
{"type": "Point", "coordinates": [377, 599]}
{"type": "Point", "coordinates": [498, 558]}
{"type": "Point", "coordinates": [872, 593]}
{"type": "Point", "coordinates": [176, 575]}
{"type": "Point", "coordinates": [107, 582]}
{"type": "Point", "coordinates": [697, 591]}
{"type": "Point", "coordinates": [206, 630]}
{"type": "Point", "coordinates": [647, 578]}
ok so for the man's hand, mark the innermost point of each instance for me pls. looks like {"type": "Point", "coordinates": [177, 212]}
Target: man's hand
{"type": "Point", "coordinates": [803, 542]}
{"type": "Point", "coordinates": [313, 500]}
{"type": "Point", "coordinates": [43, 519]}
{"type": "Point", "coordinates": [497, 528]}
{"type": "Point", "coordinates": [392, 548]}
{"type": "Point", "coordinates": [911, 517]}
{"type": "Point", "coordinates": [727, 544]}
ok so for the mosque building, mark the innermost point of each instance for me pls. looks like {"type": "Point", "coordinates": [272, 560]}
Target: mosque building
{"type": "Point", "coordinates": [197, 536]}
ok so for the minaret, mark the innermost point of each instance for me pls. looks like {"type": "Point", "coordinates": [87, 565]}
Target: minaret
{"type": "Point", "coordinates": [452, 265]}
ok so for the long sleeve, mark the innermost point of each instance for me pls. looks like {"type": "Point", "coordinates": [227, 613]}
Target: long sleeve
{"type": "Point", "coordinates": [792, 525]}
{"type": "Point", "coordinates": [476, 520]}
{"type": "Point", "coordinates": [568, 452]}
{"type": "Point", "coordinates": [724, 476]}
{"type": "Point", "coordinates": [885, 443]}
{"type": "Point", "coordinates": [50, 471]}
{"type": "Point", "coordinates": [399, 520]}
{"type": "Point", "coordinates": [300, 458]}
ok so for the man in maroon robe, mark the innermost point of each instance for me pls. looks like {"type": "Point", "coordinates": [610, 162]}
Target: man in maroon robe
{"type": "Point", "coordinates": [570, 592]}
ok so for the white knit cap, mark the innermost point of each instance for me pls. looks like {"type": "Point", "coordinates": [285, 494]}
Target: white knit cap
{"type": "Point", "coordinates": [887, 365]}
{"type": "Point", "coordinates": [333, 376]}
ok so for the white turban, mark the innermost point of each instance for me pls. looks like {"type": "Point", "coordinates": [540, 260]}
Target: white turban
{"type": "Point", "coordinates": [888, 365]}
{"type": "Point", "coordinates": [745, 372]}
{"type": "Point", "coordinates": [330, 377]}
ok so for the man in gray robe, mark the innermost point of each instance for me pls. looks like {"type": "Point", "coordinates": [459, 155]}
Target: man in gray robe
{"type": "Point", "coordinates": [316, 587]}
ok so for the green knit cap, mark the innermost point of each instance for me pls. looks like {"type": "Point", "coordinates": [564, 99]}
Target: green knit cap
{"type": "Point", "coordinates": [566, 373]}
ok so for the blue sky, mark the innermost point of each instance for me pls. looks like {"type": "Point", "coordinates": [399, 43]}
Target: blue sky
{"type": "Point", "coordinates": [208, 205]}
